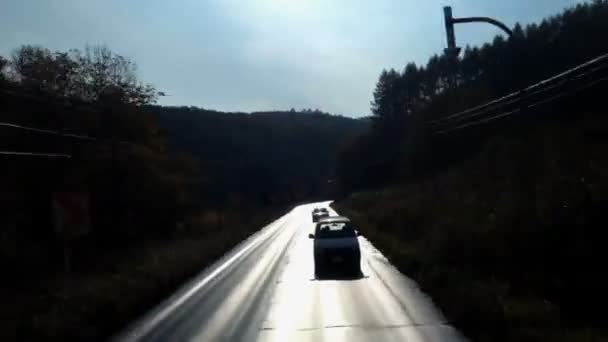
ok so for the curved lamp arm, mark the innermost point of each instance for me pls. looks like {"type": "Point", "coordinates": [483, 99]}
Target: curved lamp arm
{"type": "Point", "coordinates": [483, 20]}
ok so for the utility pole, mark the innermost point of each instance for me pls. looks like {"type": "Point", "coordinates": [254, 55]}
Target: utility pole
{"type": "Point", "coordinates": [452, 50]}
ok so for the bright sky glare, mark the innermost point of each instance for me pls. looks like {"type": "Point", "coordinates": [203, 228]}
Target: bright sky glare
{"type": "Point", "coordinates": [250, 55]}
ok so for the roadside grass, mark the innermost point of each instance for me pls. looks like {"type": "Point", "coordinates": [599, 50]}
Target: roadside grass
{"type": "Point", "coordinates": [482, 305]}
{"type": "Point", "coordinates": [93, 305]}
{"type": "Point", "coordinates": [510, 243]}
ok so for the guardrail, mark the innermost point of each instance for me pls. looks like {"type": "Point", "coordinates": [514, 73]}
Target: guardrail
{"type": "Point", "coordinates": [577, 79]}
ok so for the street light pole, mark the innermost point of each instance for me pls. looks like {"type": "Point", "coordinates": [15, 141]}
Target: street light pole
{"type": "Point", "coordinates": [452, 50]}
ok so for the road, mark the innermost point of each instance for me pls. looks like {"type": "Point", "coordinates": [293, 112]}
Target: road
{"type": "Point", "coordinates": [265, 290]}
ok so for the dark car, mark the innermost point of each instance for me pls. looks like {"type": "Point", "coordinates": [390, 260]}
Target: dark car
{"type": "Point", "coordinates": [319, 213]}
{"type": "Point", "coordinates": [336, 246]}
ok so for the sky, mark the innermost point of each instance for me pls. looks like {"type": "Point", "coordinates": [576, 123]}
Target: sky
{"type": "Point", "coordinates": [252, 55]}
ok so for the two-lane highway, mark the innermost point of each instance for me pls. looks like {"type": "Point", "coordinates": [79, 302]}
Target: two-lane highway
{"type": "Point", "coordinates": [265, 290]}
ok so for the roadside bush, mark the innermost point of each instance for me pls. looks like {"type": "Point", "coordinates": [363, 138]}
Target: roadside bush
{"type": "Point", "coordinates": [510, 242]}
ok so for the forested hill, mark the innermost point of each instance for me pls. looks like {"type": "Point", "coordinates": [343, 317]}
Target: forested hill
{"type": "Point", "coordinates": [160, 192]}
{"type": "Point", "coordinates": [264, 156]}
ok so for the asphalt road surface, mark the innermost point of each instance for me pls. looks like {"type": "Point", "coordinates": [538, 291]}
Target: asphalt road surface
{"type": "Point", "coordinates": [265, 290]}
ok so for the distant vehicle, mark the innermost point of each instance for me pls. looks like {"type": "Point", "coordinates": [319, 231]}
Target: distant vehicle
{"type": "Point", "coordinates": [319, 213]}
{"type": "Point", "coordinates": [336, 245]}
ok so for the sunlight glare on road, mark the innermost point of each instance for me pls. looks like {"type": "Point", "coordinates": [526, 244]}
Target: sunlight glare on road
{"type": "Point", "coordinates": [288, 311]}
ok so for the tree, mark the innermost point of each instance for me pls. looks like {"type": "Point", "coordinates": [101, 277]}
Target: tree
{"type": "Point", "coordinates": [411, 93]}
{"type": "Point", "coordinates": [385, 107]}
{"type": "Point", "coordinates": [404, 101]}
{"type": "Point", "coordinates": [94, 75]}
{"type": "Point", "coordinates": [33, 67]}
{"type": "Point", "coordinates": [106, 75]}
{"type": "Point", "coordinates": [3, 65]}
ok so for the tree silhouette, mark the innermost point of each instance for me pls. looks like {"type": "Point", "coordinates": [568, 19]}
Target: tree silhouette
{"type": "Point", "coordinates": [421, 93]}
{"type": "Point", "coordinates": [95, 74]}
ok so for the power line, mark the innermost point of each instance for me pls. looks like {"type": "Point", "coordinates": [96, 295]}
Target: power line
{"type": "Point", "coordinates": [35, 154]}
{"type": "Point", "coordinates": [47, 131]}
{"type": "Point", "coordinates": [576, 79]}
{"type": "Point", "coordinates": [70, 103]}
{"type": "Point", "coordinates": [57, 133]}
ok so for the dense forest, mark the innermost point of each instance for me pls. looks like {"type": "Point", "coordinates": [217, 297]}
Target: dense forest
{"type": "Point", "coordinates": [150, 158]}
{"type": "Point", "coordinates": [261, 157]}
{"type": "Point", "coordinates": [169, 189]}
{"type": "Point", "coordinates": [404, 100]}
{"type": "Point", "coordinates": [504, 229]}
